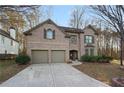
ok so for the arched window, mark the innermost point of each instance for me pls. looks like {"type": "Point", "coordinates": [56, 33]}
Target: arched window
{"type": "Point", "coordinates": [49, 34]}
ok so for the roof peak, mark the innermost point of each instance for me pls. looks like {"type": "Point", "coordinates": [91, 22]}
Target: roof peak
{"type": "Point", "coordinates": [50, 21]}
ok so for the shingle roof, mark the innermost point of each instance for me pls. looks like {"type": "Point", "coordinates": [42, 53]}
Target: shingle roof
{"type": "Point", "coordinates": [65, 29]}
{"type": "Point", "coordinates": [70, 29]}
{"type": "Point", "coordinates": [4, 33]}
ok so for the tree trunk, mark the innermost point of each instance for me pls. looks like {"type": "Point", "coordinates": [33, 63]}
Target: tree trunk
{"type": "Point", "coordinates": [121, 52]}
{"type": "Point", "coordinates": [112, 48]}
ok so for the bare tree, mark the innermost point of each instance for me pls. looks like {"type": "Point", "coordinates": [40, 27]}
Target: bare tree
{"type": "Point", "coordinates": [114, 15]}
{"type": "Point", "coordinates": [19, 17]}
{"type": "Point", "coordinates": [76, 20]}
{"type": "Point", "coordinates": [49, 11]}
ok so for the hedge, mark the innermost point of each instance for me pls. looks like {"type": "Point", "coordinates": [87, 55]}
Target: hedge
{"type": "Point", "coordinates": [102, 59]}
{"type": "Point", "coordinates": [22, 59]}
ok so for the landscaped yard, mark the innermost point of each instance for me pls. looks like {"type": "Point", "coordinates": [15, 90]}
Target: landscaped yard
{"type": "Point", "coordinates": [9, 68]}
{"type": "Point", "coordinates": [101, 71]}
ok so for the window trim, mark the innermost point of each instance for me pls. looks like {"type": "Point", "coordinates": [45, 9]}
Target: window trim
{"type": "Point", "coordinates": [45, 34]}
{"type": "Point", "coordinates": [88, 42]}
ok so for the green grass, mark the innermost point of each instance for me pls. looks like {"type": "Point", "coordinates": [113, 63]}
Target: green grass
{"type": "Point", "coordinates": [9, 68]}
{"type": "Point", "coordinates": [101, 71]}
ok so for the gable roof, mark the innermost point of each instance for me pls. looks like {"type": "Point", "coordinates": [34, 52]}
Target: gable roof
{"type": "Point", "coordinates": [4, 33]}
{"type": "Point", "coordinates": [62, 28]}
{"type": "Point", "coordinates": [93, 28]}
{"type": "Point", "coordinates": [49, 21]}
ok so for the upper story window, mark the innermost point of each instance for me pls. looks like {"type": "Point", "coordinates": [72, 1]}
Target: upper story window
{"type": "Point", "coordinates": [73, 39]}
{"type": "Point", "coordinates": [88, 39]}
{"type": "Point", "coordinates": [49, 34]}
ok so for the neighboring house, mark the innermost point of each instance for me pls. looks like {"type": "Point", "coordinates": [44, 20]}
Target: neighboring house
{"type": "Point", "coordinates": [48, 42]}
{"type": "Point", "coordinates": [8, 44]}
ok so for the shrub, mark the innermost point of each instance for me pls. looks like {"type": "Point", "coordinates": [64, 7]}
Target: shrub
{"type": "Point", "coordinates": [105, 59]}
{"type": "Point", "coordinates": [102, 59]}
{"type": "Point", "coordinates": [87, 58]}
{"type": "Point", "coordinates": [22, 59]}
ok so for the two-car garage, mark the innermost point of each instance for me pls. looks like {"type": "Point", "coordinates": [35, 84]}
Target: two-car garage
{"type": "Point", "coordinates": [43, 56]}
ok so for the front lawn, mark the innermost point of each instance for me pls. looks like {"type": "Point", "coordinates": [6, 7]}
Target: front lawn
{"type": "Point", "coordinates": [9, 68]}
{"type": "Point", "coordinates": [101, 71]}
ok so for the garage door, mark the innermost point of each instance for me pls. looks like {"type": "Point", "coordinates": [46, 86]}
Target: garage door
{"type": "Point", "coordinates": [58, 56]}
{"type": "Point", "coordinates": [39, 56]}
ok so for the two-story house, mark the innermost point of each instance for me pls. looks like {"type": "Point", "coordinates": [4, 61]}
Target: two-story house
{"type": "Point", "coordinates": [48, 42]}
{"type": "Point", "coordinates": [8, 43]}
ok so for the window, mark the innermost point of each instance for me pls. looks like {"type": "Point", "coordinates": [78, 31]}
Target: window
{"type": "Point", "coordinates": [92, 52]}
{"type": "Point", "coordinates": [49, 34]}
{"type": "Point", "coordinates": [89, 39]}
{"type": "Point", "coordinates": [11, 42]}
{"type": "Point", "coordinates": [5, 51]}
{"type": "Point", "coordinates": [3, 39]}
{"type": "Point", "coordinates": [89, 51]}
{"type": "Point", "coordinates": [86, 52]}
{"type": "Point", "coordinates": [73, 39]}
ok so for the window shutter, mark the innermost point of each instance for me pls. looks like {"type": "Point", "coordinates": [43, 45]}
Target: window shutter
{"type": "Point", "coordinates": [53, 34]}
{"type": "Point", "coordinates": [44, 33]}
{"type": "Point", "coordinates": [92, 39]}
{"type": "Point", "coordinates": [84, 39]}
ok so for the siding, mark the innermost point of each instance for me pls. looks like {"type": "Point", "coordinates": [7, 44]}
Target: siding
{"type": "Point", "coordinates": [8, 47]}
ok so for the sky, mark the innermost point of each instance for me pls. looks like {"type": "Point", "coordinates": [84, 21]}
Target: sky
{"type": "Point", "coordinates": [61, 14]}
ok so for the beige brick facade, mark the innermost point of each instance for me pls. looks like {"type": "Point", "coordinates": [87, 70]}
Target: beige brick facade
{"type": "Point", "coordinates": [88, 31]}
{"type": "Point", "coordinates": [36, 41]}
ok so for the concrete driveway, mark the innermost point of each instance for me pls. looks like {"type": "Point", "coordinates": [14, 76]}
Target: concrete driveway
{"type": "Point", "coordinates": [51, 75]}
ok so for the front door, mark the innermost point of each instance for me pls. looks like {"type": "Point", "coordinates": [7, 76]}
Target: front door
{"type": "Point", "coordinates": [73, 55]}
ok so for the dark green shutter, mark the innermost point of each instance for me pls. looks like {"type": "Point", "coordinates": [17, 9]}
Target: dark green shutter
{"type": "Point", "coordinates": [44, 33]}
{"type": "Point", "coordinates": [53, 34]}
{"type": "Point", "coordinates": [92, 39]}
{"type": "Point", "coordinates": [84, 39]}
